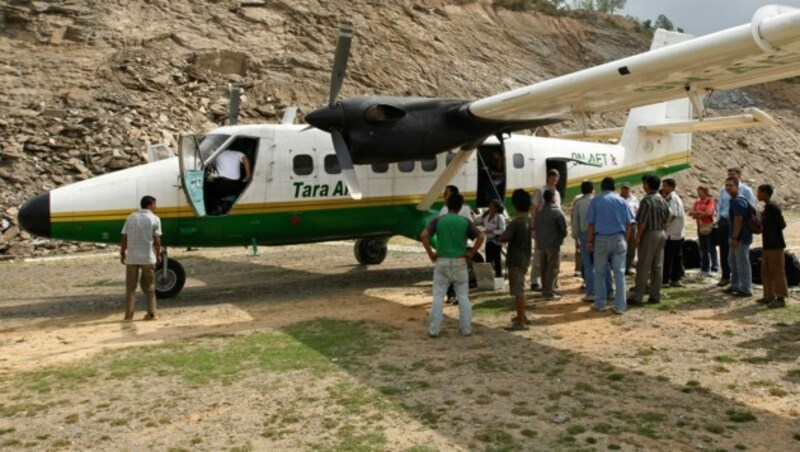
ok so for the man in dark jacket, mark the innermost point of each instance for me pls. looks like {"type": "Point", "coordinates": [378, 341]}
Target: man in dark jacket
{"type": "Point", "coordinates": [773, 272]}
{"type": "Point", "coordinates": [551, 228]}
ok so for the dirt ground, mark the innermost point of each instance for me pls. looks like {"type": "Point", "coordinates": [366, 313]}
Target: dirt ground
{"type": "Point", "coordinates": [700, 371]}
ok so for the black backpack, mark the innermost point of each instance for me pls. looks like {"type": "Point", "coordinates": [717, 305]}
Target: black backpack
{"type": "Point", "coordinates": [755, 224]}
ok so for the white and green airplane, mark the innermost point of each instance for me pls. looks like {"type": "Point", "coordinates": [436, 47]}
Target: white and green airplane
{"type": "Point", "coordinates": [369, 168]}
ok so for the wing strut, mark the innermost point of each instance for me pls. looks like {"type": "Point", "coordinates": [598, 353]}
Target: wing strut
{"type": "Point", "coordinates": [447, 175]}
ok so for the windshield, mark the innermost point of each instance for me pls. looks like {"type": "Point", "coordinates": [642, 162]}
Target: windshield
{"type": "Point", "coordinates": [210, 143]}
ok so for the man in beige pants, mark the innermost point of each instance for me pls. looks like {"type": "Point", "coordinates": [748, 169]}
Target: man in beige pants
{"type": "Point", "coordinates": [141, 251]}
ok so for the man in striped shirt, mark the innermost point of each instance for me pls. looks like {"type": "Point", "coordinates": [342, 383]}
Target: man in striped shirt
{"type": "Point", "coordinates": [141, 250]}
{"type": "Point", "coordinates": [651, 220]}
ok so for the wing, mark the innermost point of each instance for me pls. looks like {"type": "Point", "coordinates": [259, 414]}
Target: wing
{"type": "Point", "coordinates": [765, 50]}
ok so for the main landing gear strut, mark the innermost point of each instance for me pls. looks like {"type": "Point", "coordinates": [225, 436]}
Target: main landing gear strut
{"type": "Point", "coordinates": [170, 277]}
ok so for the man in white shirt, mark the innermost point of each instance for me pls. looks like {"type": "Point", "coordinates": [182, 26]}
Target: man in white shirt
{"type": "Point", "coordinates": [465, 211]}
{"type": "Point", "coordinates": [633, 203]}
{"type": "Point", "coordinates": [141, 250]}
{"type": "Point", "coordinates": [229, 179]}
{"type": "Point", "coordinates": [673, 250]}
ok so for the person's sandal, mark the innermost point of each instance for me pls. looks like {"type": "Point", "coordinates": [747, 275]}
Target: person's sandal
{"type": "Point", "coordinates": [150, 316]}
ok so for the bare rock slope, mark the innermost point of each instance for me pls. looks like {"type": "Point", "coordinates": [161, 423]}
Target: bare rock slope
{"type": "Point", "coordinates": [87, 84]}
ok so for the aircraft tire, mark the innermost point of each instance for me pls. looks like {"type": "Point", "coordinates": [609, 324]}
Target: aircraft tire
{"type": "Point", "coordinates": [170, 285]}
{"type": "Point", "coordinates": [370, 251]}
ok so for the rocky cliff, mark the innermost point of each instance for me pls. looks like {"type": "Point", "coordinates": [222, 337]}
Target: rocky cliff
{"type": "Point", "coordinates": [87, 84]}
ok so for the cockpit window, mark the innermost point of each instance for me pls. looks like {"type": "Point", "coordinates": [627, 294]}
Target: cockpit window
{"type": "Point", "coordinates": [210, 143]}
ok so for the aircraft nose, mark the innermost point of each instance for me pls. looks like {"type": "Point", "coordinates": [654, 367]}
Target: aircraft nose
{"type": "Point", "coordinates": [34, 215]}
{"type": "Point", "coordinates": [327, 118]}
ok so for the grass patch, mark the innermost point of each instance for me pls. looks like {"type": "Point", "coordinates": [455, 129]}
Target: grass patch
{"type": "Point", "coordinates": [490, 363]}
{"type": "Point", "coordinates": [494, 307]}
{"type": "Point", "coordinates": [740, 416]}
{"type": "Point", "coordinates": [355, 439]}
{"type": "Point", "coordinates": [788, 315]}
{"type": "Point", "coordinates": [497, 439]}
{"type": "Point", "coordinates": [43, 381]}
{"type": "Point", "coordinates": [778, 392]}
{"type": "Point", "coordinates": [23, 409]}
{"type": "Point", "coordinates": [724, 359]}
{"type": "Point", "coordinates": [576, 429]}
{"type": "Point", "coordinates": [101, 283]}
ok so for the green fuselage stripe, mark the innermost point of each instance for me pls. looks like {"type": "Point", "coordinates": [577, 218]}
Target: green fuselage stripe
{"type": "Point", "coordinates": [287, 227]}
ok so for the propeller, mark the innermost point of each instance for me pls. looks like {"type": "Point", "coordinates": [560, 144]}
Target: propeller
{"type": "Point", "coordinates": [340, 61]}
{"type": "Point", "coordinates": [331, 118]}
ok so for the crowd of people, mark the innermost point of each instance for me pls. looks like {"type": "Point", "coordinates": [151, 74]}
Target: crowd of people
{"type": "Point", "coordinates": [616, 234]}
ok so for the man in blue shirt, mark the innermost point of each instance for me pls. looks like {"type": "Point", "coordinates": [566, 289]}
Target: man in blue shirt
{"type": "Point", "coordinates": [724, 223]}
{"type": "Point", "coordinates": [609, 225]}
{"type": "Point", "coordinates": [741, 237]}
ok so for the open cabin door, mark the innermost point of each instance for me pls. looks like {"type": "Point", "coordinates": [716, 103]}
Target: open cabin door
{"type": "Point", "coordinates": [192, 172]}
{"type": "Point", "coordinates": [560, 165]}
{"type": "Point", "coordinates": [492, 175]}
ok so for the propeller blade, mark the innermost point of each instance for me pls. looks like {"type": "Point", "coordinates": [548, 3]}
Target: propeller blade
{"type": "Point", "coordinates": [289, 114]}
{"type": "Point", "coordinates": [340, 61]}
{"type": "Point", "coordinates": [346, 164]}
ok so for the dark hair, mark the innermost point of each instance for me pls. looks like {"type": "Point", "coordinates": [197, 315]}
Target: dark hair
{"type": "Point", "coordinates": [670, 181]}
{"type": "Point", "coordinates": [521, 200]}
{"type": "Point", "coordinates": [652, 181]}
{"type": "Point", "coordinates": [734, 180]}
{"type": "Point", "coordinates": [735, 169]}
{"type": "Point", "coordinates": [548, 195]}
{"type": "Point", "coordinates": [704, 189]}
{"type": "Point", "coordinates": [553, 172]}
{"type": "Point", "coordinates": [608, 184]}
{"type": "Point", "coordinates": [587, 187]}
{"type": "Point", "coordinates": [453, 189]}
{"type": "Point", "coordinates": [455, 202]}
{"type": "Point", "coordinates": [498, 205]}
{"type": "Point", "coordinates": [766, 188]}
{"type": "Point", "coordinates": [147, 201]}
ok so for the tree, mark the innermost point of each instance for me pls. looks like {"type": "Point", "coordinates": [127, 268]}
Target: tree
{"type": "Point", "coordinates": [663, 21]}
{"type": "Point", "coordinates": [609, 6]}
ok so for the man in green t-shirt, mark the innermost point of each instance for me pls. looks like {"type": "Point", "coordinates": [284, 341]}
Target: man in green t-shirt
{"type": "Point", "coordinates": [450, 259]}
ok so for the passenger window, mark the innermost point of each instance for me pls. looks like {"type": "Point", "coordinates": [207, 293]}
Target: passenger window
{"type": "Point", "coordinates": [303, 164]}
{"type": "Point", "coordinates": [332, 164]}
{"type": "Point", "coordinates": [380, 168]}
{"type": "Point", "coordinates": [429, 165]}
{"type": "Point", "coordinates": [519, 161]}
{"type": "Point", "coordinates": [406, 167]}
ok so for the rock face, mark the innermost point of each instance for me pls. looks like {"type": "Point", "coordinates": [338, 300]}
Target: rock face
{"type": "Point", "coordinates": [91, 83]}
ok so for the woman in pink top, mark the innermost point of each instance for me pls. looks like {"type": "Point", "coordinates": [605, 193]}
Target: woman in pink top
{"type": "Point", "coordinates": [704, 212]}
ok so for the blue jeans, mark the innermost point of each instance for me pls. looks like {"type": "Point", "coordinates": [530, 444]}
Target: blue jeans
{"type": "Point", "coordinates": [446, 271]}
{"type": "Point", "coordinates": [708, 252]}
{"type": "Point", "coordinates": [611, 248]}
{"type": "Point", "coordinates": [588, 267]}
{"type": "Point", "coordinates": [741, 273]}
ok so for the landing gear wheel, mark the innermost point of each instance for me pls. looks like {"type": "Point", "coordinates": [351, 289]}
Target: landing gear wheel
{"type": "Point", "coordinates": [170, 283]}
{"type": "Point", "coordinates": [370, 251]}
